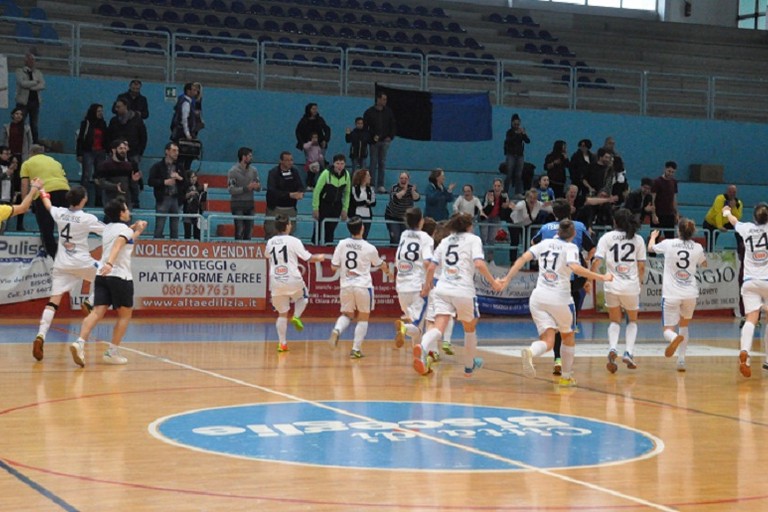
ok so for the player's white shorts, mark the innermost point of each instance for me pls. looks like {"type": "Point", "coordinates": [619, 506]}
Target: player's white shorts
{"type": "Point", "coordinates": [628, 302]}
{"type": "Point", "coordinates": [355, 298]}
{"type": "Point", "coordinates": [754, 293]}
{"type": "Point", "coordinates": [413, 305]}
{"type": "Point", "coordinates": [67, 280]}
{"type": "Point", "coordinates": [672, 310]}
{"type": "Point", "coordinates": [464, 309]}
{"type": "Point", "coordinates": [547, 315]}
{"type": "Point", "coordinates": [282, 297]}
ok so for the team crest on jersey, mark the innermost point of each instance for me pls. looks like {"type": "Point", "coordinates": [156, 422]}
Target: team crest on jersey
{"type": "Point", "coordinates": [622, 268]}
{"type": "Point", "coordinates": [451, 273]}
{"type": "Point", "coordinates": [549, 276]}
{"type": "Point", "coordinates": [404, 266]}
{"type": "Point", "coordinates": [281, 270]}
{"type": "Point", "coordinates": [760, 256]}
{"type": "Point", "coordinates": [682, 275]}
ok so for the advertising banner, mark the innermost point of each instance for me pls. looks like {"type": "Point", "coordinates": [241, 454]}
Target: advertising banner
{"type": "Point", "coordinates": [25, 269]}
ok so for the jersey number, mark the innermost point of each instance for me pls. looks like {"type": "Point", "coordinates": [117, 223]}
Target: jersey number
{"type": "Point", "coordinates": [762, 242]}
{"type": "Point", "coordinates": [351, 261]}
{"type": "Point", "coordinates": [548, 264]}
{"type": "Point", "coordinates": [283, 251]}
{"type": "Point", "coordinates": [408, 251]}
{"type": "Point", "coordinates": [628, 248]}
{"type": "Point", "coordinates": [683, 259]}
{"type": "Point", "coordinates": [451, 256]}
{"type": "Point", "coordinates": [65, 233]}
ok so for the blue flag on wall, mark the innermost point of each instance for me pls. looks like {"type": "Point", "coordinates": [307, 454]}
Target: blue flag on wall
{"type": "Point", "coordinates": [441, 117]}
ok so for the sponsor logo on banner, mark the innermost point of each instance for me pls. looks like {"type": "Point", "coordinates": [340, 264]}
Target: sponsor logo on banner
{"type": "Point", "coordinates": [25, 269]}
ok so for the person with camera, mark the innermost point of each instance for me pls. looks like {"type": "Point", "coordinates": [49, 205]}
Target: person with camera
{"type": "Point", "coordinates": [401, 197]}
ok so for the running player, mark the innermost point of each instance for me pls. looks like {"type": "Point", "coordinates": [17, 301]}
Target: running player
{"type": "Point", "coordinates": [623, 251]}
{"type": "Point", "coordinates": [353, 258]}
{"type": "Point", "coordinates": [286, 284]}
{"type": "Point", "coordinates": [459, 255]}
{"type": "Point", "coordinates": [439, 232]}
{"type": "Point", "coordinates": [114, 283]}
{"type": "Point", "coordinates": [73, 263]}
{"type": "Point", "coordinates": [679, 290]}
{"type": "Point", "coordinates": [754, 292]}
{"type": "Point", "coordinates": [551, 303]}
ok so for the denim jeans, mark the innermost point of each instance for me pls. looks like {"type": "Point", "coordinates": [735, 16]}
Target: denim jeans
{"type": "Point", "coordinates": [91, 159]}
{"type": "Point", "coordinates": [243, 227]}
{"type": "Point", "coordinates": [379, 161]}
{"type": "Point", "coordinates": [169, 204]}
{"type": "Point", "coordinates": [514, 174]}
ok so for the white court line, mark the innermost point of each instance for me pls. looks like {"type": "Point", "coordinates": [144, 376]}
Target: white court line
{"type": "Point", "coordinates": [642, 350]}
{"type": "Point", "coordinates": [512, 462]}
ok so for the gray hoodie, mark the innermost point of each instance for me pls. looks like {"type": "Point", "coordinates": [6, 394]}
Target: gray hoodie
{"type": "Point", "coordinates": [238, 180]}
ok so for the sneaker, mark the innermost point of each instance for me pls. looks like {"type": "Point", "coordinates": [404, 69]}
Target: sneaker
{"type": "Point", "coordinates": [86, 307]}
{"type": "Point", "coordinates": [297, 324]}
{"type": "Point", "coordinates": [744, 364]}
{"type": "Point", "coordinates": [611, 365]}
{"type": "Point", "coordinates": [77, 350]}
{"type": "Point", "coordinates": [627, 359]}
{"type": "Point", "coordinates": [420, 361]}
{"type": "Point", "coordinates": [399, 333]}
{"type": "Point", "coordinates": [670, 350]}
{"type": "Point", "coordinates": [333, 339]}
{"type": "Point", "coordinates": [567, 382]}
{"type": "Point", "coordinates": [381, 190]}
{"type": "Point", "coordinates": [681, 365]}
{"type": "Point", "coordinates": [355, 354]}
{"type": "Point", "coordinates": [528, 368]}
{"type": "Point", "coordinates": [37, 348]}
{"type": "Point", "coordinates": [434, 355]}
{"type": "Point", "coordinates": [448, 348]}
{"type": "Point", "coordinates": [282, 347]}
{"type": "Point", "coordinates": [114, 358]}
{"type": "Point", "coordinates": [477, 363]}
{"type": "Point", "coordinates": [557, 369]}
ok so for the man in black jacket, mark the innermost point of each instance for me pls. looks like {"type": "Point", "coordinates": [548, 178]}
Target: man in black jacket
{"type": "Point", "coordinates": [284, 189]}
{"type": "Point", "coordinates": [128, 125]}
{"type": "Point", "coordinates": [167, 178]}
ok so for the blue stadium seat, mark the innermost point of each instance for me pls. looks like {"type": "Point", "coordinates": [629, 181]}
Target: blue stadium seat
{"type": "Point", "coordinates": [436, 40]}
{"type": "Point", "coordinates": [217, 51]}
{"type": "Point", "coordinates": [470, 55]}
{"type": "Point", "coordinates": [471, 42]}
{"type": "Point", "coordinates": [398, 49]}
{"type": "Point", "coordinates": [179, 4]}
{"type": "Point", "coordinates": [565, 62]}
{"type": "Point", "coordinates": [309, 29]}
{"type": "Point", "coordinates": [527, 20]}
{"type": "Point", "coordinates": [150, 14]}
{"type": "Point", "coordinates": [415, 67]}
{"type": "Point", "coordinates": [307, 42]}
{"type": "Point", "coordinates": [280, 56]}
{"type": "Point", "coordinates": [49, 34]}
{"type": "Point", "coordinates": [294, 12]}
{"type": "Point", "coordinates": [130, 45]}
{"type": "Point", "coordinates": [469, 70]}
{"type": "Point", "coordinates": [191, 18]}
{"type": "Point", "coordinates": [238, 53]}
{"type": "Point", "coordinates": [334, 3]}
{"type": "Point", "coordinates": [361, 46]}
{"type": "Point", "coordinates": [397, 67]}
{"type": "Point", "coordinates": [369, 5]}
{"type": "Point", "coordinates": [153, 46]}
{"type": "Point", "coordinates": [327, 31]}
{"type": "Point", "coordinates": [257, 8]}
{"type": "Point", "coordinates": [548, 62]}
{"type": "Point", "coordinates": [488, 56]}
{"type": "Point", "coordinates": [387, 8]}
{"type": "Point", "coordinates": [546, 49]}
{"type": "Point", "coordinates": [319, 59]}
{"type": "Point", "coordinates": [368, 19]}
{"type": "Point", "coordinates": [564, 51]}
{"type": "Point", "coordinates": [489, 72]}
{"type": "Point", "coordinates": [140, 26]}
{"type": "Point", "coordinates": [495, 18]}
{"type": "Point", "coordinates": [383, 35]}
{"type": "Point", "coordinates": [378, 65]}
{"type": "Point", "coordinates": [437, 26]}
{"type": "Point", "coordinates": [211, 20]}
{"type": "Point", "coordinates": [171, 17]}
{"type": "Point", "coordinates": [224, 33]}
{"type": "Point", "coordinates": [219, 6]}
{"type": "Point", "coordinates": [183, 30]}
{"type": "Point", "coordinates": [271, 26]}
{"type": "Point", "coordinates": [343, 45]}
{"type": "Point", "coordinates": [264, 38]}
{"type": "Point", "coordinates": [129, 12]}
{"type": "Point", "coordinates": [402, 22]}
{"type": "Point", "coordinates": [332, 17]}
{"type": "Point", "coordinates": [290, 27]}
{"type": "Point", "coordinates": [454, 41]}
{"type": "Point", "coordinates": [439, 12]}
{"type": "Point", "coordinates": [198, 5]}
{"type": "Point", "coordinates": [348, 17]}
{"type": "Point", "coordinates": [547, 36]}
{"type": "Point", "coordinates": [232, 22]}
{"type": "Point", "coordinates": [36, 13]}
{"type": "Point", "coordinates": [204, 32]}
{"type": "Point", "coordinates": [276, 11]}
{"type": "Point", "coordinates": [163, 28]}
{"type": "Point", "coordinates": [418, 38]}
{"type": "Point", "coordinates": [420, 24]}
{"type": "Point", "coordinates": [352, 4]}
{"type": "Point", "coordinates": [314, 15]}
{"type": "Point", "coordinates": [529, 33]}
{"type": "Point", "coordinates": [452, 70]}
{"type": "Point", "coordinates": [245, 35]}
{"type": "Point", "coordinates": [511, 19]}
{"type": "Point", "coordinates": [251, 24]}
{"type": "Point", "coordinates": [434, 68]}
{"type": "Point", "coordinates": [530, 48]}
{"type": "Point", "coordinates": [237, 7]}
{"type": "Point", "coordinates": [119, 26]}
{"type": "Point", "coordinates": [404, 9]}
{"type": "Point", "coordinates": [159, 3]}
{"type": "Point", "coordinates": [455, 27]}
{"type": "Point", "coordinates": [513, 32]}
{"type": "Point", "coordinates": [106, 10]}
{"type": "Point", "coordinates": [358, 63]}
{"type": "Point", "coordinates": [452, 53]}
{"type": "Point", "coordinates": [401, 37]}
{"type": "Point", "coordinates": [300, 58]}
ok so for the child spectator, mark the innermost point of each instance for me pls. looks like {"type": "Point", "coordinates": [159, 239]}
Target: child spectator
{"type": "Point", "coordinates": [468, 203]}
{"type": "Point", "coordinates": [546, 196]}
{"type": "Point", "coordinates": [313, 160]}
{"type": "Point", "coordinates": [358, 140]}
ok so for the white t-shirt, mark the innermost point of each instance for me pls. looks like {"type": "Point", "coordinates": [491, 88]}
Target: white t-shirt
{"type": "Point", "coordinates": [554, 257]}
{"type": "Point", "coordinates": [455, 257]}
{"type": "Point", "coordinates": [414, 249]}
{"type": "Point", "coordinates": [473, 207]}
{"type": "Point", "coordinates": [73, 227]}
{"type": "Point", "coordinates": [680, 261]}
{"type": "Point", "coordinates": [121, 266]}
{"type": "Point", "coordinates": [283, 253]}
{"type": "Point", "coordinates": [621, 257]}
{"type": "Point", "coordinates": [355, 257]}
{"type": "Point", "coordinates": [756, 250]}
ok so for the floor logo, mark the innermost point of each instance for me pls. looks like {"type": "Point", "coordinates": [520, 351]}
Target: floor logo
{"type": "Point", "coordinates": [405, 435]}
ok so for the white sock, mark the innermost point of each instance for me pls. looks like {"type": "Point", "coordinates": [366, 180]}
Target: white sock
{"type": "Point", "coordinates": [747, 333]}
{"type": "Point", "coordinates": [538, 348]}
{"type": "Point", "coordinates": [299, 306]}
{"type": "Point", "coordinates": [684, 344]}
{"type": "Point", "coordinates": [282, 328]}
{"type": "Point", "coordinates": [470, 348]}
{"type": "Point", "coordinates": [632, 336]}
{"type": "Point", "coordinates": [81, 341]}
{"type": "Point", "coordinates": [342, 323]}
{"type": "Point", "coordinates": [670, 335]}
{"type": "Point", "coordinates": [568, 352]}
{"type": "Point", "coordinates": [361, 329]}
{"type": "Point", "coordinates": [430, 339]}
{"type": "Point", "coordinates": [412, 331]}
{"type": "Point", "coordinates": [448, 334]}
{"type": "Point", "coordinates": [613, 335]}
{"type": "Point", "coordinates": [45, 321]}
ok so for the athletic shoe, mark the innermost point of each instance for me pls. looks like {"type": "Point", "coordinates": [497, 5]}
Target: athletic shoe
{"type": "Point", "coordinates": [627, 359]}
{"type": "Point", "coordinates": [744, 364]}
{"type": "Point", "coordinates": [448, 348]}
{"type": "Point", "coordinates": [765, 366]}
{"type": "Point", "coordinates": [86, 307]}
{"type": "Point", "coordinates": [282, 347]}
{"type": "Point", "coordinates": [477, 363]}
{"type": "Point", "coordinates": [355, 354]}
{"type": "Point", "coordinates": [681, 365]}
{"type": "Point", "coordinates": [297, 324]}
{"type": "Point", "coordinates": [399, 333]}
{"type": "Point", "coordinates": [670, 350]}
{"type": "Point", "coordinates": [333, 339]}
{"type": "Point", "coordinates": [557, 369]}
{"type": "Point", "coordinates": [77, 350]}
{"type": "Point", "coordinates": [114, 358]}
{"type": "Point", "coordinates": [611, 365]}
{"type": "Point", "coordinates": [528, 369]}
{"type": "Point", "coordinates": [434, 355]}
{"type": "Point", "coordinates": [567, 382]}
{"type": "Point", "coordinates": [37, 348]}
{"type": "Point", "coordinates": [420, 361]}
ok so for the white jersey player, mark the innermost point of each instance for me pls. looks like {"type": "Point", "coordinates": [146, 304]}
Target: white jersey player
{"type": "Point", "coordinates": [413, 253]}
{"type": "Point", "coordinates": [286, 284]}
{"type": "Point", "coordinates": [623, 252]}
{"type": "Point", "coordinates": [551, 302]}
{"type": "Point", "coordinates": [73, 263]}
{"type": "Point", "coordinates": [679, 289]}
{"type": "Point", "coordinates": [354, 258]}
{"type": "Point", "coordinates": [754, 291]}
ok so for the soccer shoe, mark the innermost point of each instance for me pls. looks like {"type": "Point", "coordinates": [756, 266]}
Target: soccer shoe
{"type": "Point", "coordinates": [114, 358]}
{"type": "Point", "coordinates": [477, 363]}
{"type": "Point", "coordinates": [297, 323]}
{"type": "Point", "coordinates": [434, 355]}
{"type": "Point", "coordinates": [333, 339]}
{"type": "Point", "coordinates": [557, 369]}
{"type": "Point", "coordinates": [670, 350]}
{"type": "Point", "coordinates": [86, 307]}
{"type": "Point", "coordinates": [567, 382]}
{"type": "Point", "coordinates": [37, 348]}
{"type": "Point", "coordinates": [77, 350]}
{"type": "Point", "coordinates": [448, 348]}
{"type": "Point", "coordinates": [528, 369]}
{"type": "Point", "coordinates": [282, 347]}
{"type": "Point", "coordinates": [355, 354]}
{"type": "Point", "coordinates": [627, 360]}
{"type": "Point", "coordinates": [611, 365]}
{"type": "Point", "coordinates": [681, 365]}
{"type": "Point", "coordinates": [744, 364]}
{"type": "Point", "coordinates": [421, 361]}
{"type": "Point", "coordinates": [399, 333]}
